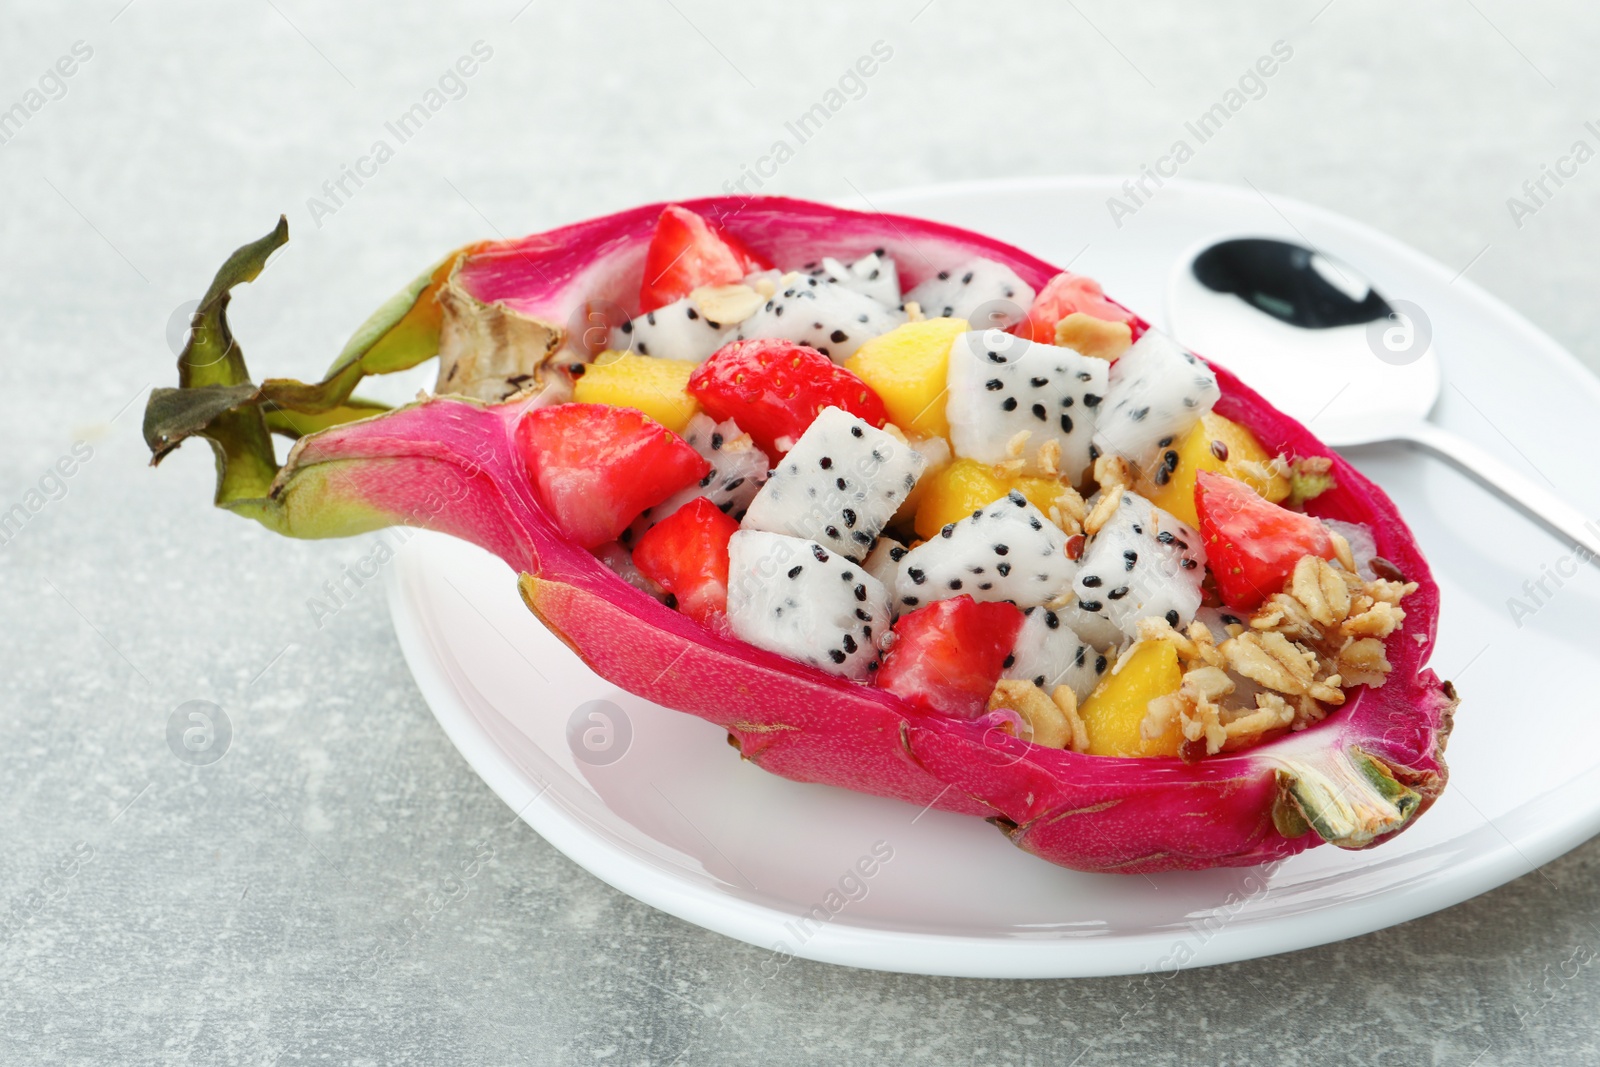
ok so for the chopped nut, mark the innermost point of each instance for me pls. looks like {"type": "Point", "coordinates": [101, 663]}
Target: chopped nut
{"type": "Point", "coordinates": [727, 304]}
{"type": "Point", "coordinates": [1364, 662]}
{"type": "Point", "coordinates": [1272, 660]}
{"type": "Point", "coordinates": [1113, 472]}
{"type": "Point", "coordinates": [1047, 723]}
{"type": "Point", "coordinates": [1018, 443]}
{"type": "Point", "coordinates": [1067, 701]}
{"type": "Point", "coordinates": [1050, 458]}
{"type": "Point", "coordinates": [1094, 337]}
{"type": "Point", "coordinates": [1341, 551]}
{"type": "Point", "coordinates": [1103, 510]}
{"type": "Point", "coordinates": [766, 287]}
{"type": "Point", "coordinates": [913, 311]}
{"type": "Point", "coordinates": [1381, 620]}
{"type": "Point", "coordinates": [1071, 504]}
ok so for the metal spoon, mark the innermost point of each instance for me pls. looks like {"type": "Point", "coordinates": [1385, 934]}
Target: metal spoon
{"type": "Point", "coordinates": [1316, 339]}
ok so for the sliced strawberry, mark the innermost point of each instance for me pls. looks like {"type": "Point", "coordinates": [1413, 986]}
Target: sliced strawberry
{"type": "Point", "coordinates": [686, 554]}
{"type": "Point", "coordinates": [774, 389]}
{"type": "Point", "coordinates": [1251, 543]}
{"type": "Point", "coordinates": [597, 467]}
{"type": "Point", "coordinates": [1060, 297]}
{"type": "Point", "coordinates": [686, 252]}
{"type": "Point", "coordinates": [947, 656]}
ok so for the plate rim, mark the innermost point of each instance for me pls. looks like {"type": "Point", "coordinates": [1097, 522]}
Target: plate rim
{"type": "Point", "coordinates": [855, 944]}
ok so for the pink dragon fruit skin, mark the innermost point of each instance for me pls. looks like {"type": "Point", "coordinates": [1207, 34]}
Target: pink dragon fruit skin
{"type": "Point", "coordinates": [451, 464]}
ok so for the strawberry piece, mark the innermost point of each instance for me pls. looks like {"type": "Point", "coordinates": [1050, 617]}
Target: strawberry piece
{"type": "Point", "coordinates": [774, 389]}
{"type": "Point", "coordinates": [597, 467]}
{"type": "Point", "coordinates": [947, 656]}
{"type": "Point", "coordinates": [686, 554]}
{"type": "Point", "coordinates": [686, 252]}
{"type": "Point", "coordinates": [1251, 543]}
{"type": "Point", "coordinates": [1060, 297]}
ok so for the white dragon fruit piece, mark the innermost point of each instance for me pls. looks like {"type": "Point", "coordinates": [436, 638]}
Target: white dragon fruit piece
{"type": "Point", "coordinates": [1099, 631]}
{"type": "Point", "coordinates": [874, 275]}
{"type": "Point", "coordinates": [1000, 386]}
{"type": "Point", "coordinates": [839, 485]}
{"type": "Point", "coordinates": [678, 330]}
{"type": "Point", "coordinates": [883, 562]}
{"type": "Point", "coordinates": [985, 293]}
{"type": "Point", "coordinates": [1048, 653]}
{"type": "Point", "coordinates": [1158, 391]}
{"type": "Point", "coordinates": [823, 314]}
{"type": "Point", "coordinates": [1006, 551]}
{"type": "Point", "coordinates": [793, 597]}
{"type": "Point", "coordinates": [1143, 563]}
{"type": "Point", "coordinates": [738, 469]}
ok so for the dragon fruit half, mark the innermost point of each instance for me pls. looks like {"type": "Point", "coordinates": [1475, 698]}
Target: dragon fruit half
{"type": "Point", "coordinates": [507, 319]}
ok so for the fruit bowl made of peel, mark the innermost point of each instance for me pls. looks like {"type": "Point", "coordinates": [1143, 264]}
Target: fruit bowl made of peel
{"type": "Point", "coordinates": [900, 507]}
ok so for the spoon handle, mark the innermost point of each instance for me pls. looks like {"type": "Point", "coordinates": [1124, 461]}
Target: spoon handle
{"type": "Point", "coordinates": [1541, 503]}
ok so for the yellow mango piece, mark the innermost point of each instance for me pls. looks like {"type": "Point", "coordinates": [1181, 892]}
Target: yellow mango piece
{"type": "Point", "coordinates": [1215, 444]}
{"type": "Point", "coordinates": [657, 387]}
{"type": "Point", "coordinates": [1113, 712]}
{"type": "Point", "coordinates": [952, 494]}
{"type": "Point", "coordinates": [906, 368]}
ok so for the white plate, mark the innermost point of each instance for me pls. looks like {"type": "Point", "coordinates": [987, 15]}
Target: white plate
{"type": "Point", "coordinates": [681, 823]}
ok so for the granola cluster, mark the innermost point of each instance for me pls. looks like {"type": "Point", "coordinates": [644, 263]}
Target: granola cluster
{"type": "Point", "coordinates": [1291, 659]}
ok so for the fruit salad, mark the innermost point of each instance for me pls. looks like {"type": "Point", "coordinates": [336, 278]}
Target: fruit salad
{"type": "Point", "coordinates": [904, 509]}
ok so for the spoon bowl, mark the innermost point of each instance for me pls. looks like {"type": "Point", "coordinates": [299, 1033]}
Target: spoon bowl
{"type": "Point", "coordinates": [1314, 337]}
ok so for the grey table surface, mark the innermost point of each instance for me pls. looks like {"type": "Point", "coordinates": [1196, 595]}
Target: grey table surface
{"type": "Point", "coordinates": [249, 911]}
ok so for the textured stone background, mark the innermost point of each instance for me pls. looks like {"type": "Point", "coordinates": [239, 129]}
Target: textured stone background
{"type": "Point", "coordinates": [244, 912]}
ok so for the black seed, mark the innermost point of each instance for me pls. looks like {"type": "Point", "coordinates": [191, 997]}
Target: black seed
{"type": "Point", "coordinates": [1163, 476]}
{"type": "Point", "coordinates": [848, 576]}
{"type": "Point", "coordinates": [1099, 665]}
{"type": "Point", "coordinates": [1066, 401]}
{"type": "Point", "coordinates": [1036, 524]}
{"type": "Point", "coordinates": [716, 441]}
{"type": "Point", "coordinates": [1009, 404]}
{"type": "Point", "coordinates": [1090, 605]}
{"type": "Point", "coordinates": [1232, 620]}
{"type": "Point", "coordinates": [855, 431]}
{"type": "Point", "coordinates": [1002, 569]}
{"type": "Point", "coordinates": [861, 593]}
{"type": "Point", "coordinates": [692, 314]}
{"type": "Point", "coordinates": [861, 613]}
{"type": "Point", "coordinates": [627, 327]}
{"type": "Point", "coordinates": [897, 553]}
{"type": "Point", "coordinates": [1170, 461]}
{"type": "Point", "coordinates": [1220, 450]}
{"type": "Point", "coordinates": [644, 349]}
{"type": "Point", "coordinates": [672, 602]}
{"type": "Point", "coordinates": [705, 481]}
{"type": "Point", "coordinates": [625, 536]}
{"type": "Point", "coordinates": [838, 337]}
{"type": "Point", "coordinates": [1165, 537]}
{"type": "Point", "coordinates": [978, 514]}
{"type": "Point", "coordinates": [1038, 680]}
{"type": "Point", "coordinates": [944, 275]}
{"type": "Point", "coordinates": [1172, 618]}
{"type": "Point", "coordinates": [1094, 452]}
{"type": "Point", "coordinates": [1017, 498]}
{"type": "Point", "coordinates": [726, 507]}
{"type": "Point", "coordinates": [1079, 656]}
{"type": "Point", "coordinates": [1066, 424]}
{"type": "Point", "coordinates": [835, 655]}
{"type": "Point", "coordinates": [840, 482]}
{"type": "Point", "coordinates": [1090, 400]}
{"type": "Point", "coordinates": [825, 462]}
{"type": "Point", "coordinates": [916, 574]}
{"type": "Point", "coordinates": [1000, 550]}
{"type": "Point", "coordinates": [816, 550]}
{"type": "Point", "coordinates": [849, 643]}
{"type": "Point", "coordinates": [993, 384]}
{"type": "Point", "coordinates": [910, 601]}
{"type": "Point", "coordinates": [1129, 558]}
{"type": "Point", "coordinates": [994, 357]}
{"type": "Point", "coordinates": [794, 572]}
{"type": "Point", "coordinates": [1011, 661]}
{"type": "Point", "coordinates": [1118, 593]}
{"type": "Point", "coordinates": [966, 279]}
{"type": "Point", "coordinates": [779, 309]}
{"type": "Point", "coordinates": [1052, 621]}
{"type": "Point", "coordinates": [955, 583]}
{"type": "Point", "coordinates": [1188, 564]}
{"type": "Point", "coordinates": [1038, 383]}
{"type": "Point", "coordinates": [1038, 412]}
{"type": "Point", "coordinates": [650, 317]}
{"type": "Point", "coordinates": [1084, 376]}
{"type": "Point", "coordinates": [1164, 442]}
{"type": "Point", "coordinates": [1091, 581]}
{"type": "Point", "coordinates": [849, 519]}
{"type": "Point", "coordinates": [861, 537]}
{"type": "Point", "coordinates": [949, 529]}
{"type": "Point", "coordinates": [985, 585]}
{"type": "Point", "coordinates": [879, 456]}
